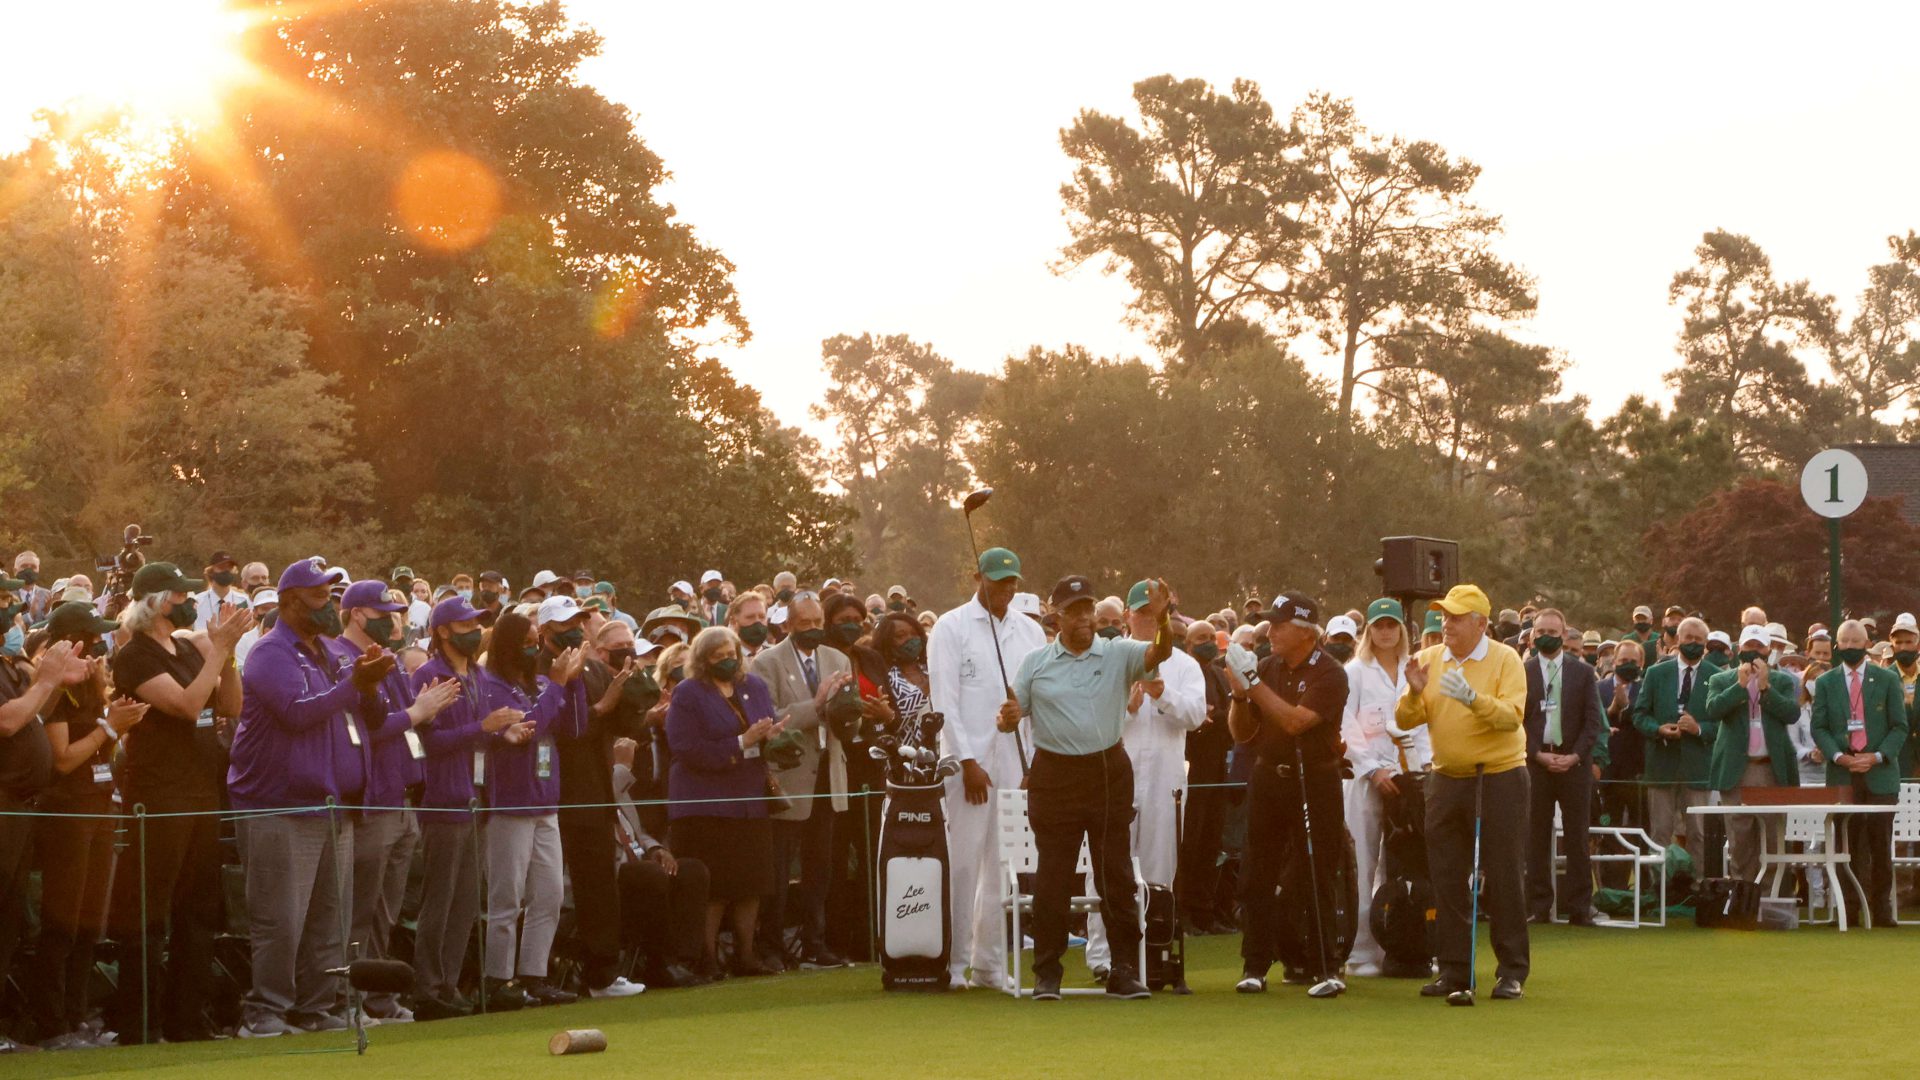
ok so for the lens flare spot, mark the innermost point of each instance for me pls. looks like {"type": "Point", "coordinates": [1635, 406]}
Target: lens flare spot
{"type": "Point", "coordinates": [619, 300]}
{"type": "Point", "coordinates": [449, 201]}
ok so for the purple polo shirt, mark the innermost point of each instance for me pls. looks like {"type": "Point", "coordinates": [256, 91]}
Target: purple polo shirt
{"type": "Point", "coordinates": [394, 768]}
{"type": "Point", "coordinates": [292, 747]}
{"type": "Point", "coordinates": [524, 780]}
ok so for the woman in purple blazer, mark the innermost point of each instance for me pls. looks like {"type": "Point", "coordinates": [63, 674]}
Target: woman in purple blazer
{"type": "Point", "coordinates": [718, 720]}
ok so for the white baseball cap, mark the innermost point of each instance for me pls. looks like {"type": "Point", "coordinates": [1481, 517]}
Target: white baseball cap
{"type": "Point", "coordinates": [711, 575]}
{"type": "Point", "coordinates": [1340, 624]}
{"type": "Point", "coordinates": [777, 614]}
{"type": "Point", "coordinates": [266, 596]}
{"type": "Point", "coordinates": [557, 609]}
{"type": "Point", "coordinates": [1756, 635]}
{"type": "Point", "coordinates": [1905, 621]}
{"type": "Point", "coordinates": [1025, 603]}
{"type": "Point", "coordinates": [543, 579]}
{"type": "Point", "coordinates": [681, 586]}
{"type": "Point", "coordinates": [830, 583]}
{"type": "Point", "coordinates": [1719, 637]}
{"type": "Point", "coordinates": [1777, 634]}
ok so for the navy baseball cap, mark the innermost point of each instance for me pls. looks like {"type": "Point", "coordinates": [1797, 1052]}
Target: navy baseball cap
{"type": "Point", "coordinates": [452, 610]}
{"type": "Point", "coordinates": [369, 593]}
{"type": "Point", "coordinates": [1071, 590]}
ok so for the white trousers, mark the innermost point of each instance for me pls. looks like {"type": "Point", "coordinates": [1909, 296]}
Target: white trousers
{"type": "Point", "coordinates": [973, 866]}
{"type": "Point", "coordinates": [1366, 823]}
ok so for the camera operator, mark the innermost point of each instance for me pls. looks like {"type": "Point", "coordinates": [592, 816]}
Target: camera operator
{"type": "Point", "coordinates": [175, 765]}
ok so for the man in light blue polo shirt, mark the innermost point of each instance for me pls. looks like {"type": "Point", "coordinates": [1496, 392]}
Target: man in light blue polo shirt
{"type": "Point", "coordinates": [1081, 786]}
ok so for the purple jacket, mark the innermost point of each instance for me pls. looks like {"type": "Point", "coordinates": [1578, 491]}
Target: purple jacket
{"type": "Point", "coordinates": [524, 780]}
{"type": "Point", "coordinates": [704, 732]}
{"type": "Point", "coordinates": [302, 736]}
{"type": "Point", "coordinates": [451, 741]}
{"type": "Point", "coordinates": [394, 768]}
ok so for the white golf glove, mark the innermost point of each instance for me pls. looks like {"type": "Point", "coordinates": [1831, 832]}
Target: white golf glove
{"type": "Point", "coordinates": [1455, 685]}
{"type": "Point", "coordinates": [1244, 664]}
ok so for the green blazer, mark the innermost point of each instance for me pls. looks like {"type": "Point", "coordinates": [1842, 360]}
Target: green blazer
{"type": "Point", "coordinates": [1885, 704]}
{"type": "Point", "coordinates": [1779, 711]}
{"type": "Point", "coordinates": [1674, 761]}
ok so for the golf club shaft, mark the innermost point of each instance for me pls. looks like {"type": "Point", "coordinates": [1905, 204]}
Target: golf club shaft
{"type": "Point", "coordinates": [1313, 865]}
{"type": "Point", "coordinates": [1473, 883]}
{"type": "Point", "coordinates": [1019, 744]}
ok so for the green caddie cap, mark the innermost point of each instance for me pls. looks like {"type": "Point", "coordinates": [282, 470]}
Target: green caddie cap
{"type": "Point", "coordinates": [1436, 623]}
{"type": "Point", "coordinates": [1137, 596]}
{"type": "Point", "coordinates": [999, 564]}
{"type": "Point", "coordinates": [1386, 608]}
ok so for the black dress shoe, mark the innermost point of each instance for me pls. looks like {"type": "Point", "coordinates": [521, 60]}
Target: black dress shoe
{"type": "Point", "coordinates": [1579, 920]}
{"type": "Point", "coordinates": [1124, 985]}
{"type": "Point", "coordinates": [673, 977]}
{"type": "Point", "coordinates": [1508, 990]}
{"type": "Point", "coordinates": [501, 995]}
{"type": "Point", "coordinates": [1538, 920]}
{"type": "Point", "coordinates": [433, 1008]}
{"type": "Point", "coordinates": [1441, 988]}
{"type": "Point", "coordinates": [1046, 988]}
{"type": "Point", "coordinates": [749, 967]}
{"type": "Point", "coordinates": [822, 957]}
{"type": "Point", "coordinates": [545, 993]}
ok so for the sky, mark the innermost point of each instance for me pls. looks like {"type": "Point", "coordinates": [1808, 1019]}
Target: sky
{"type": "Point", "coordinates": [895, 168]}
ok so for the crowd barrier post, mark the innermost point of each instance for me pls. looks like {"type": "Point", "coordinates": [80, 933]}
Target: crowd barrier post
{"type": "Point", "coordinates": [146, 938]}
{"type": "Point", "coordinates": [871, 856]}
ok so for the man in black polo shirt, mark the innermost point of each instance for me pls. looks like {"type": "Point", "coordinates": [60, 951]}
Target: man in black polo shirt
{"type": "Point", "coordinates": [1288, 707]}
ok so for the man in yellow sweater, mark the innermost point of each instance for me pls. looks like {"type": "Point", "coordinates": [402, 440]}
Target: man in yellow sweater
{"type": "Point", "coordinates": [1471, 692]}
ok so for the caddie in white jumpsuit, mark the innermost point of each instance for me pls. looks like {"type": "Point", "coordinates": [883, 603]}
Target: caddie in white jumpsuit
{"type": "Point", "coordinates": [965, 677]}
{"type": "Point", "coordinates": [1160, 713]}
{"type": "Point", "coordinates": [1379, 751]}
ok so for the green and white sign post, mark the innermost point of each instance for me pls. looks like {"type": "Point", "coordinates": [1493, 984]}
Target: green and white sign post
{"type": "Point", "coordinates": [1834, 484]}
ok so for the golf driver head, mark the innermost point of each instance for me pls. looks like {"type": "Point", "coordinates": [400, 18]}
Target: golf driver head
{"type": "Point", "coordinates": [976, 500]}
{"type": "Point", "coordinates": [930, 725]}
{"type": "Point", "coordinates": [1327, 988]}
{"type": "Point", "coordinates": [1460, 997]}
{"type": "Point", "coordinates": [877, 753]}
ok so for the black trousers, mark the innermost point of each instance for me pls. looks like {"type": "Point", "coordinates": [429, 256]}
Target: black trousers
{"type": "Point", "coordinates": [587, 848]}
{"type": "Point", "coordinates": [16, 847]}
{"type": "Point", "coordinates": [182, 900]}
{"type": "Point", "coordinates": [1502, 868]}
{"type": "Point", "coordinates": [1572, 791]}
{"type": "Point", "coordinates": [665, 913]}
{"type": "Point", "coordinates": [1278, 881]}
{"type": "Point", "coordinates": [850, 892]}
{"type": "Point", "coordinates": [811, 843]}
{"type": "Point", "coordinates": [1870, 841]}
{"type": "Point", "coordinates": [76, 862]}
{"type": "Point", "coordinates": [1071, 798]}
{"type": "Point", "coordinates": [1199, 876]}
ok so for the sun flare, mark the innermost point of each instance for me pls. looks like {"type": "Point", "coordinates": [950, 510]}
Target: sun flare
{"type": "Point", "coordinates": [162, 60]}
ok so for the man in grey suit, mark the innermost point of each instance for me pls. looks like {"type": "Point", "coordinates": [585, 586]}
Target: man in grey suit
{"type": "Point", "coordinates": [1563, 722]}
{"type": "Point", "coordinates": [803, 676]}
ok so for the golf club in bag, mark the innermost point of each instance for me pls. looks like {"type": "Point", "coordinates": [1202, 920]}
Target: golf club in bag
{"type": "Point", "coordinates": [916, 933]}
{"type": "Point", "coordinates": [975, 501]}
{"type": "Point", "coordinates": [1465, 997]}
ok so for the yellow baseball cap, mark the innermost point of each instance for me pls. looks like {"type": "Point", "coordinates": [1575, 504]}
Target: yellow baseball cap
{"type": "Point", "coordinates": [1462, 599]}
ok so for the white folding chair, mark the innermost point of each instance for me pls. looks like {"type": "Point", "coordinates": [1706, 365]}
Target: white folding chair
{"type": "Point", "coordinates": [1618, 845]}
{"type": "Point", "coordinates": [1808, 828]}
{"type": "Point", "coordinates": [1018, 855]}
{"type": "Point", "coordinates": [1906, 830]}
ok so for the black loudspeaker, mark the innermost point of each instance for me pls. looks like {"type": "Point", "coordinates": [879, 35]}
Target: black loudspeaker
{"type": "Point", "coordinates": [1417, 567]}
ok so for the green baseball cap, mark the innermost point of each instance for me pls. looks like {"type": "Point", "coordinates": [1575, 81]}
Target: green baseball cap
{"type": "Point", "coordinates": [1436, 623]}
{"type": "Point", "coordinates": [1137, 596]}
{"type": "Point", "coordinates": [12, 585]}
{"type": "Point", "coordinates": [1386, 608]}
{"type": "Point", "coordinates": [603, 588]}
{"type": "Point", "coordinates": [999, 564]}
{"type": "Point", "coordinates": [404, 572]}
{"type": "Point", "coordinates": [161, 577]}
{"type": "Point", "coordinates": [75, 620]}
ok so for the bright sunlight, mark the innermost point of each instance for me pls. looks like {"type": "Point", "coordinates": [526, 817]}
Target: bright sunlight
{"type": "Point", "coordinates": [164, 60]}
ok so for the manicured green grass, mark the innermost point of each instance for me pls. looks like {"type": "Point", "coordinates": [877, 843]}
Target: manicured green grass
{"type": "Point", "coordinates": [1675, 1003]}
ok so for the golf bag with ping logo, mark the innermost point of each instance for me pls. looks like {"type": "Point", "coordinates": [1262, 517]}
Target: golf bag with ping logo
{"type": "Point", "coordinates": [916, 934]}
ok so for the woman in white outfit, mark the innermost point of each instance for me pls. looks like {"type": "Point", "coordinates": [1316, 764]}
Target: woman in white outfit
{"type": "Point", "coordinates": [1813, 773]}
{"type": "Point", "coordinates": [1379, 751]}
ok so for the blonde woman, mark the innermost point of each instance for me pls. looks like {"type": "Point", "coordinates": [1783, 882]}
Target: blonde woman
{"type": "Point", "coordinates": [1379, 752]}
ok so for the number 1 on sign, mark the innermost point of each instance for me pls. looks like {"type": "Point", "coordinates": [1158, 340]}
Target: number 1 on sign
{"type": "Point", "coordinates": [1833, 484]}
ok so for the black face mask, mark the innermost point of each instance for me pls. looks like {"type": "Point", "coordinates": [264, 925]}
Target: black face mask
{"type": "Point", "coordinates": [1340, 650]}
{"type": "Point", "coordinates": [1627, 672]}
{"type": "Point", "coordinates": [897, 605]}
{"type": "Point", "coordinates": [1750, 656]}
{"type": "Point", "coordinates": [380, 630]}
{"type": "Point", "coordinates": [1850, 657]}
{"type": "Point", "coordinates": [910, 649]}
{"type": "Point", "coordinates": [1906, 657]}
{"type": "Point", "coordinates": [1108, 632]}
{"type": "Point", "coordinates": [184, 614]}
{"type": "Point", "coordinates": [785, 596]}
{"type": "Point", "coordinates": [488, 599]}
{"type": "Point", "coordinates": [570, 639]}
{"type": "Point", "coordinates": [1205, 652]}
{"type": "Point", "coordinates": [848, 633]}
{"type": "Point", "coordinates": [618, 658]}
{"type": "Point", "coordinates": [1643, 627]}
{"type": "Point", "coordinates": [712, 595]}
{"type": "Point", "coordinates": [467, 644]}
{"type": "Point", "coordinates": [1692, 651]}
{"type": "Point", "coordinates": [327, 619]}
{"type": "Point", "coordinates": [1548, 644]}
{"type": "Point", "coordinates": [95, 650]}
{"type": "Point", "coordinates": [754, 635]}
{"type": "Point", "coordinates": [725, 670]}
{"type": "Point", "coordinates": [30, 578]}
{"type": "Point", "coordinates": [224, 577]}
{"type": "Point", "coordinates": [811, 639]}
